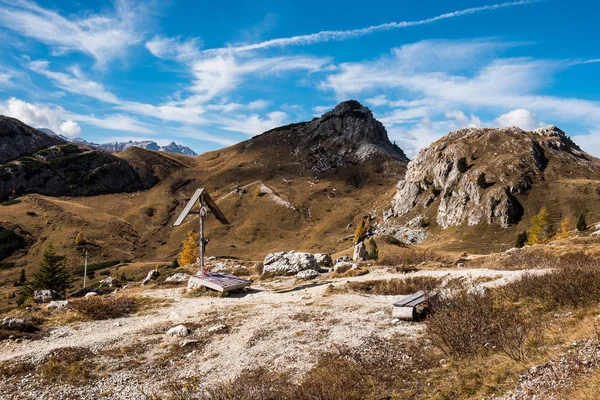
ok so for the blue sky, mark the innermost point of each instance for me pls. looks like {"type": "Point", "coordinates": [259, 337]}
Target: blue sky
{"type": "Point", "coordinates": [211, 74]}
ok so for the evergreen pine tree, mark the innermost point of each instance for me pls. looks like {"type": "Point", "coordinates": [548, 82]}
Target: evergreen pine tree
{"type": "Point", "coordinates": [190, 252]}
{"type": "Point", "coordinates": [521, 240]}
{"type": "Point", "coordinates": [373, 250]}
{"type": "Point", "coordinates": [22, 277]}
{"type": "Point", "coordinates": [581, 223]}
{"type": "Point", "coordinates": [53, 275]}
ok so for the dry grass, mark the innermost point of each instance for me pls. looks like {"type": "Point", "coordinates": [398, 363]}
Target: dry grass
{"type": "Point", "coordinates": [73, 365]}
{"type": "Point", "coordinates": [410, 258]}
{"type": "Point", "coordinates": [393, 287]}
{"type": "Point", "coordinates": [574, 286]}
{"type": "Point", "coordinates": [204, 292]}
{"type": "Point", "coordinates": [100, 307]}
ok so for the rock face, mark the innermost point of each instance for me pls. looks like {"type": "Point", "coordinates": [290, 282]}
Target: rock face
{"type": "Point", "coordinates": [34, 162]}
{"type": "Point", "coordinates": [18, 139]}
{"type": "Point", "coordinates": [290, 263]}
{"type": "Point", "coordinates": [512, 160]}
{"type": "Point", "coordinates": [360, 252]}
{"type": "Point", "coordinates": [348, 134]}
{"type": "Point", "coordinates": [148, 145]}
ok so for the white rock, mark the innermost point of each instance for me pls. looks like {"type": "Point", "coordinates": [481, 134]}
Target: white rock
{"type": "Point", "coordinates": [179, 330]}
{"type": "Point", "coordinates": [307, 274]}
{"type": "Point", "coordinates": [44, 296]}
{"type": "Point", "coordinates": [217, 328]}
{"type": "Point", "coordinates": [152, 275]}
{"type": "Point", "coordinates": [179, 277]}
{"type": "Point", "coordinates": [57, 304]}
{"type": "Point", "coordinates": [324, 259]}
{"type": "Point", "coordinates": [360, 252]}
{"type": "Point", "coordinates": [290, 263]}
{"type": "Point", "coordinates": [107, 281]}
{"type": "Point", "coordinates": [91, 294]}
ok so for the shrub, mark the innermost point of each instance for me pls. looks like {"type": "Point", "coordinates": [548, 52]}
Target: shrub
{"type": "Point", "coordinates": [573, 286]}
{"type": "Point", "coordinates": [462, 165]}
{"type": "Point", "coordinates": [461, 325]}
{"type": "Point", "coordinates": [581, 223]}
{"type": "Point", "coordinates": [411, 257]}
{"type": "Point", "coordinates": [10, 203]}
{"type": "Point", "coordinates": [481, 182]}
{"type": "Point", "coordinates": [71, 364]}
{"type": "Point", "coordinates": [190, 251]}
{"type": "Point", "coordinates": [98, 308]}
{"type": "Point", "coordinates": [373, 250]}
{"type": "Point", "coordinates": [521, 240]}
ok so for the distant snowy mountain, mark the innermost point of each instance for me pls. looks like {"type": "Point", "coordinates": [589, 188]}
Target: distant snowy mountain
{"type": "Point", "coordinates": [121, 146]}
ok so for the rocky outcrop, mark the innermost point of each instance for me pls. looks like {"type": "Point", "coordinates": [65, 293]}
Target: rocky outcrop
{"type": "Point", "coordinates": [289, 263]}
{"type": "Point", "coordinates": [498, 166]}
{"type": "Point", "coordinates": [148, 145]}
{"type": "Point", "coordinates": [360, 252]}
{"type": "Point", "coordinates": [69, 170]}
{"type": "Point", "coordinates": [18, 139]}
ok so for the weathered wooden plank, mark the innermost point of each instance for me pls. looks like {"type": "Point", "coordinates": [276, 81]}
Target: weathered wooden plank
{"type": "Point", "coordinates": [188, 207]}
{"type": "Point", "coordinates": [220, 282]}
{"type": "Point", "coordinates": [412, 300]}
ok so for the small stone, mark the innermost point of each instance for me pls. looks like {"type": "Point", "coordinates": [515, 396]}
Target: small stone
{"type": "Point", "coordinates": [188, 342]}
{"type": "Point", "coordinates": [179, 277]}
{"type": "Point", "coordinates": [179, 330]}
{"type": "Point", "coordinates": [217, 328]}
{"type": "Point", "coordinates": [91, 294]}
{"type": "Point", "coordinates": [53, 305]}
{"type": "Point", "coordinates": [395, 321]}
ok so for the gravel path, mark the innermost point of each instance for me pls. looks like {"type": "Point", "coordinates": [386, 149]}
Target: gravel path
{"type": "Point", "coordinates": [266, 327]}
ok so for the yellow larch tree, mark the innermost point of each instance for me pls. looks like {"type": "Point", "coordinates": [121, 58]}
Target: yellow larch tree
{"type": "Point", "coordinates": [190, 252]}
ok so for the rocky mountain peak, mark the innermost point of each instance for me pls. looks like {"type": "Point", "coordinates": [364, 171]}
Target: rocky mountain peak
{"type": "Point", "coordinates": [348, 134]}
{"type": "Point", "coordinates": [477, 175]}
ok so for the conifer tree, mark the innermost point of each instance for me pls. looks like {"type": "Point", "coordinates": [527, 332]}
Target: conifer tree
{"type": "Point", "coordinates": [481, 181]}
{"type": "Point", "coordinates": [373, 250]}
{"type": "Point", "coordinates": [53, 275]}
{"type": "Point", "coordinates": [540, 228]}
{"type": "Point", "coordinates": [566, 226]}
{"type": "Point", "coordinates": [190, 252]}
{"type": "Point", "coordinates": [521, 240]}
{"type": "Point", "coordinates": [581, 223]}
{"type": "Point", "coordinates": [22, 277]}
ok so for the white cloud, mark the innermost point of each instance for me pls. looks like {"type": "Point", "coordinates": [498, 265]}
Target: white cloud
{"type": "Point", "coordinates": [40, 116]}
{"type": "Point", "coordinates": [254, 124]}
{"type": "Point", "coordinates": [462, 120]}
{"type": "Point", "coordinates": [102, 36]}
{"type": "Point", "coordinates": [328, 36]}
{"type": "Point", "coordinates": [176, 48]}
{"type": "Point", "coordinates": [589, 142]}
{"type": "Point", "coordinates": [70, 128]}
{"type": "Point", "coordinates": [521, 117]}
{"type": "Point", "coordinates": [378, 100]}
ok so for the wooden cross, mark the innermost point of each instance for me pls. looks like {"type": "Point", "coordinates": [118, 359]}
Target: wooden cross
{"type": "Point", "coordinates": [206, 205]}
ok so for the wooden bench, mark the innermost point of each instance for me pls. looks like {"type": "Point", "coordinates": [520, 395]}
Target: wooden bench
{"type": "Point", "coordinates": [406, 308]}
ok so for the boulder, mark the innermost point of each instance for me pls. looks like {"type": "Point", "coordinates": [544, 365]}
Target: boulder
{"type": "Point", "coordinates": [343, 259]}
{"type": "Point", "coordinates": [107, 282]}
{"type": "Point", "coordinates": [18, 324]}
{"type": "Point", "coordinates": [179, 330]}
{"type": "Point", "coordinates": [45, 296]}
{"type": "Point", "coordinates": [307, 274]}
{"type": "Point", "coordinates": [152, 276]}
{"type": "Point", "coordinates": [57, 304]}
{"type": "Point", "coordinates": [219, 267]}
{"type": "Point", "coordinates": [289, 263]}
{"type": "Point", "coordinates": [360, 252]}
{"type": "Point", "coordinates": [179, 277]}
{"type": "Point", "coordinates": [324, 259]}
{"type": "Point", "coordinates": [195, 283]}
{"type": "Point", "coordinates": [342, 267]}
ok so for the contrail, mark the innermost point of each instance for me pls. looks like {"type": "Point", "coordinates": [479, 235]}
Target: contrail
{"type": "Point", "coordinates": [328, 36]}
